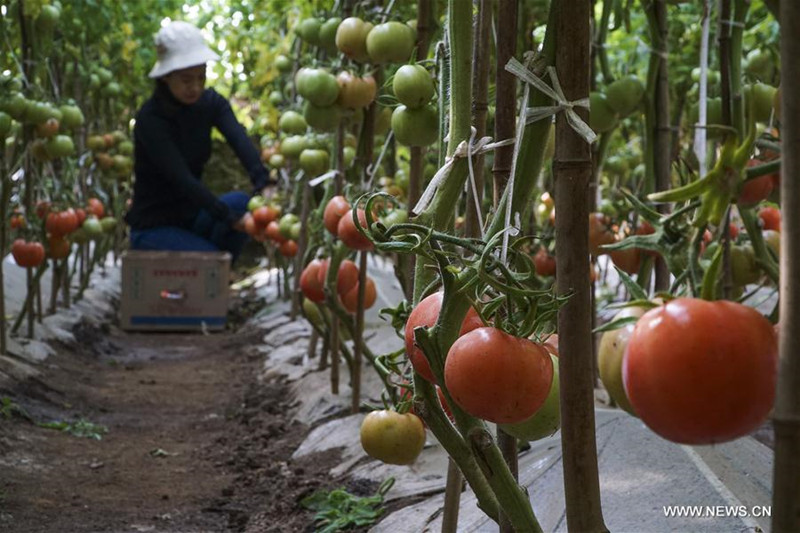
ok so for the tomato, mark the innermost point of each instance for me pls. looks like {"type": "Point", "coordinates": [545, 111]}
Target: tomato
{"type": "Point", "coordinates": [308, 30]}
{"type": "Point", "coordinates": [544, 263]}
{"type": "Point", "coordinates": [314, 162]}
{"type": "Point", "coordinates": [319, 87]}
{"type": "Point", "coordinates": [283, 64]}
{"type": "Point", "coordinates": [628, 260]}
{"type": "Point", "coordinates": [95, 207]}
{"type": "Point", "coordinates": [17, 221]}
{"type": "Point", "coordinates": [416, 127]}
{"type": "Point", "coordinates": [273, 232]}
{"type": "Point", "coordinates": [312, 280]}
{"type": "Point", "coordinates": [773, 240]}
{"type": "Point", "coordinates": [350, 298]}
{"type": "Point", "coordinates": [95, 143]}
{"type": "Point", "coordinates": [288, 248]}
{"type": "Point", "coordinates": [60, 223]}
{"type": "Point", "coordinates": [609, 357]}
{"type": "Point", "coordinates": [425, 314]}
{"type": "Point", "coordinates": [327, 34]}
{"type": "Point", "coordinates": [71, 117]}
{"type": "Point", "coordinates": [321, 118]}
{"type": "Point", "coordinates": [498, 377]}
{"type": "Point", "coordinates": [48, 128]}
{"type": "Point", "coordinates": [762, 95]}
{"type": "Point", "coordinates": [59, 146]}
{"type": "Point", "coordinates": [42, 209]}
{"type": "Point", "coordinates": [346, 277]}
{"type": "Point", "coordinates": [395, 216]}
{"type": "Point", "coordinates": [27, 254]}
{"type": "Point", "coordinates": [348, 233]}
{"type": "Point", "coordinates": [336, 208]}
{"type": "Point", "coordinates": [285, 224]}
{"type": "Point", "coordinates": [277, 161]}
{"type": "Point", "coordinates": [546, 420]}
{"type": "Point", "coordinates": [355, 92]}
{"type": "Point", "coordinates": [392, 437]}
{"type": "Point", "coordinates": [602, 117]}
{"type": "Point", "coordinates": [413, 86]}
{"type": "Point", "coordinates": [104, 161]}
{"type": "Point", "coordinates": [744, 269]}
{"type": "Point", "coordinates": [92, 227]}
{"type": "Point", "coordinates": [599, 233]}
{"type": "Point", "coordinates": [755, 190]}
{"type": "Point", "coordinates": [625, 94]}
{"type": "Point", "coordinates": [351, 38]}
{"type": "Point", "coordinates": [699, 372]}
{"type": "Point", "coordinates": [5, 125]}
{"type": "Point", "coordinates": [759, 63]}
{"type": "Point", "coordinates": [770, 218]}
{"type": "Point", "coordinates": [58, 248]}
{"type": "Point", "coordinates": [264, 215]}
{"type": "Point", "coordinates": [390, 42]}
{"type": "Point", "coordinates": [292, 122]}
{"type": "Point", "coordinates": [551, 343]}
{"type": "Point", "coordinates": [15, 105]}
{"type": "Point", "coordinates": [293, 146]}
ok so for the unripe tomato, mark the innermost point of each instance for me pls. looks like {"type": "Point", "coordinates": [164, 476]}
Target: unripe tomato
{"type": "Point", "coordinates": [625, 94]}
{"type": "Point", "coordinates": [351, 38]}
{"type": "Point", "coordinates": [321, 118]}
{"type": "Point", "coordinates": [699, 372]}
{"type": "Point", "coordinates": [337, 207]}
{"type": "Point", "coordinates": [285, 224]}
{"type": "Point", "coordinates": [314, 162]}
{"type": "Point", "coordinates": [59, 146]}
{"type": "Point", "coordinates": [413, 86]}
{"type": "Point", "coordinates": [292, 122]}
{"type": "Point", "coordinates": [283, 64]}
{"type": "Point", "coordinates": [498, 377]}
{"type": "Point", "coordinates": [391, 437]}
{"type": "Point", "coordinates": [48, 128]}
{"type": "Point", "coordinates": [355, 92]}
{"type": "Point", "coordinates": [348, 233]}
{"type": "Point", "coordinates": [71, 117]}
{"type": "Point", "coordinates": [327, 34]}
{"type": "Point", "coordinates": [546, 420]}
{"type": "Point", "coordinates": [744, 268]}
{"type": "Point", "coordinates": [319, 87]}
{"type": "Point", "coordinates": [390, 42]}
{"type": "Point", "coordinates": [609, 357]}
{"type": "Point", "coordinates": [416, 127]}
{"type": "Point", "coordinates": [425, 314]}
{"type": "Point", "coordinates": [308, 30]}
{"type": "Point", "coordinates": [602, 117]}
{"type": "Point", "coordinates": [92, 227]}
{"type": "Point", "coordinates": [293, 146]}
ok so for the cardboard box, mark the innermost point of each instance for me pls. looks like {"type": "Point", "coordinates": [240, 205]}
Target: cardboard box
{"type": "Point", "coordinates": [174, 291]}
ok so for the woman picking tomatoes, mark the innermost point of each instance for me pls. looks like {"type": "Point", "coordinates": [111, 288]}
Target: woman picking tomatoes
{"type": "Point", "coordinates": [172, 209]}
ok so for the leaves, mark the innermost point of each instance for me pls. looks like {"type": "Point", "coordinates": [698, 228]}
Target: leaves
{"type": "Point", "coordinates": [338, 510]}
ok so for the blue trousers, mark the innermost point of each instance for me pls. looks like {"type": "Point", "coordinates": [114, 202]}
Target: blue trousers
{"type": "Point", "coordinates": [205, 235]}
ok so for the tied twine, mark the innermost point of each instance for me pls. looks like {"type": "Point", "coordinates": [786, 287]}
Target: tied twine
{"type": "Point", "coordinates": [556, 93]}
{"type": "Point", "coordinates": [463, 149]}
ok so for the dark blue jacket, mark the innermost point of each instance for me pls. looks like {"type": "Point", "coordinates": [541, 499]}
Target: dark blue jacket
{"type": "Point", "coordinates": [172, 145]}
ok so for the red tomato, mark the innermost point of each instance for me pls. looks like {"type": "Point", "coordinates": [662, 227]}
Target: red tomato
{"type": "Point", "coordinates": [699, 372]}
{"type": "Point", "coordinates": [27, 254]}
{"type": "Point", "coordinates": [95, 207]}
{"type": "Point", "coordinates": [312, 280]}
{"type": "Point", "coordinates": [346, 277]}
{"type": "Point", "coordinates": [426, 313]}
{"type": "Point", "coordinates": [755, 190]}
{"type": "Point", "coordinates": [58, 248]}
{"type": "Point", "coordinates": [336, 208]}
{"type": "Point", "coordinates": [250, 225]}
{"type": "Point", "coordinates": [42, 209]}
{"type": "Point", "coordinates": [17, 221]}
{"type": "Point", "coordinates": [264, 215]}
{"type": "Point", "coordinates": [273, 232]}
{"type": "Point", "coordinates": [498, 377]}
{"type": "Point", "coordinates": [80, 213]}
{"type": "Point", "coordinates": [544, 263]}
{"type": "Point", "coordinates": [599, 233]}
{"type": "Point", "coordinates": [60, 223]}
{"type": "Point", "coordinates": [288, 248]}
{"type": "Point", "coordinates": [770, 218]}
{"type": "Point", "coordinates": [349, 234]}
{"type": "Point", "coordinates": [350, 298]}
{"type": "Point", "coordinates": [628, 260]}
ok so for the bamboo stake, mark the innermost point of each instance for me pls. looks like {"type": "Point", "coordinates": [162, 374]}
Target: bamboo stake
{"type": "Point", "coordinates": [505, 95]}
{"type": "Point", "coordinates": [573, 172]}
{"type": "Point", "coordinates": [786, 419]}
{"type": "Point", "coordinates": [662, 155]}
{"type": "Point", "coordinates": [358, 336]}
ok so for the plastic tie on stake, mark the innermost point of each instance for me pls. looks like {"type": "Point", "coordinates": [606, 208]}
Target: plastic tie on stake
{"type": "Point", "coordinates": [556, 93]}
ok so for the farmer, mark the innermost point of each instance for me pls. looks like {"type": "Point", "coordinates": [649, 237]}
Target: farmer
{"type": "Point", "coordinates": [172, 209]}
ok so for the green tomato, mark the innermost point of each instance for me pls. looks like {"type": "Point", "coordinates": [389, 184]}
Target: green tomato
{"type": "Point", "coordinates": [285, 224]}
{"type": "Point", "coordinates": [92, 227]}
{"type": "Point", "coordinates": [321, 118]}
{"type": "Point", "coordinates": [744, 269]}
{"type": "Point", "coordinates": [5, 125]}
{"type": "Point", "coordinates": [255, 202]}
{"type": "Point", "coordinates": [390, 42]}
{"type": "Point", "coordinates": [293, 146]}
{"type": "Point", "coordinates": [610, 355]}
{"type": "Point", "coordinates": [416, 127]}
{"type": "Point", "coordinates": [760, 64]}
{"type": "Point", "coordinates": [277, 160]}
{"type": "Point", "coordinates": [108, 224]}
{"type": "Point", "coordinates": [351, 38]}
{"type": "Point", "coordinates": [283, 64]}
{"type": "Point", "coordinates": [413, 86]}
{"type": "Point", "coordinates": [395, 216]}
{"type": "Point", "coordinates": [71, 117]}
{"type": "Point", "coordinates": [348, 153]}
{"type": "Point", "coordinates": [15, 105]}
{"type": "Point", "coordinates": [602, 117]}
{"type": "Point", "coordinates": [59, 146]}
{"type": "Point", "coordinates": [319, 87]}
{"type": "Point", "coordinates": [544, 422]}
{"type": "Point", "coordinates": [308, 30]}
{"type": "Point", "coordinates": [763, 96]}
{"type": "Point", "coordinates": [292, 122]}
{"type": "Point", "coordinates": [625, 94]}
{"type": "Point", "coordinates": [294, 231]}
{"type": "Point", "coordinates": [275, 97]}
{"type": "Point", "coordinates": [314, 162]}
{"type": "Point", "coordinates": [327, 34]}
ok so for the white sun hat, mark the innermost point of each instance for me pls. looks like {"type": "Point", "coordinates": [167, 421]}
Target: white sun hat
{"type": "Point", "coordinates": [180, 45]}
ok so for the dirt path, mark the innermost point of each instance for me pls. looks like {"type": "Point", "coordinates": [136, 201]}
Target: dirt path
{"type": "Point", "coordinates": [194, 442]}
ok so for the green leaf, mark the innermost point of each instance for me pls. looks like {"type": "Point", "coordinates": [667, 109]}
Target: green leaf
{"type": "Point", "coordinates": [636, 292]}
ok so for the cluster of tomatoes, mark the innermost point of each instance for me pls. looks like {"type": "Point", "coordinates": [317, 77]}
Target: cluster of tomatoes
{"type": "Point", "coordinates": [112, 152]}
{"type": "Point", "coordinates": [264, 223]}
{"type": "Point", "coordinates": [62, 228]}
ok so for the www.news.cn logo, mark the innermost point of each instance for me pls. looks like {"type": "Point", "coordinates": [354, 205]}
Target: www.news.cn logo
{"type": "Point", "coordinates": [717, 511]}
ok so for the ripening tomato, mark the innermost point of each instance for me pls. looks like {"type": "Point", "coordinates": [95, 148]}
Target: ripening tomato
{"type": "Point", "coordinates": [336, 208]}
{"type": "Point", "coordinates": [546, 420]}
{"type": "Point", "coordinates": [349, 234]}
{"type": "Point", "coordinates": [544, 263]}
{"type": "Point", "coordinates": [699, 372]}
{"type": "Point", "coordinates": [17, 221]}
{"type": "Point", "coordinates": [755, 190]}
{"type": "Point", "coordinates": [27, 254]}
{"type": "Point", "coordinates": [58, 248]}
{"type": "Point", "coordinates": [599, 233]}
{"type": "Point", "coordinates": [94, 206]}
{"type": "Point", "coordinates": [274, 233]}
{"type": "Point", "coordinates": [42, 209]}
{"type": "Point", "coordinates": [346, 277]}
{"type": "Point", "coordinates": [264, 215]}
{"type": "Point", "coordinates": [425, 314]}
{"type": "Point", "coordinates": [498, 377]}
{"type": "Point", "coordinates": [628, 260]}
{"type": "Point", "coordinates": [351, 38]}
{"type": "Point", "coordinates": [770, 218]}
{"type": "Point", "coordinates": [288, 248]}
{"type": "Point", "coordinates": [609, 357]}
{"type": "Point", "coordinates": [392, 437]}
{"type": "Point", "coordinates": [350, 298]}
{"type": "Point", "coordinates": [312, 281]}
{"type": "Point", "coordinates": [355, 92]}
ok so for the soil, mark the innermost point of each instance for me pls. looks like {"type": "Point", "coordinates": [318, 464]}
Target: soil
{"type": "Point", "coordinates": [194, 443]}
